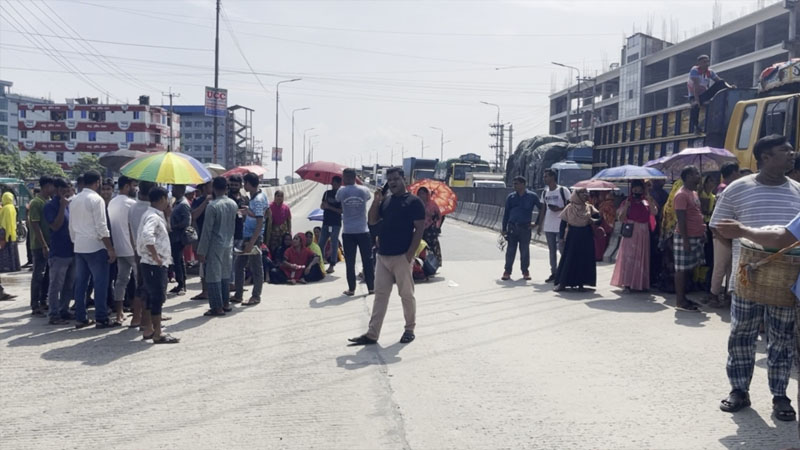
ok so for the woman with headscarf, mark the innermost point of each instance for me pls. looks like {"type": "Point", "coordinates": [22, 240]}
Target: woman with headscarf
{"type": "Point", "coordinates": [668, 222]}
{"type": "Point", "coordinates": [577, 267]}
{"type": "Point", "coordinates": [276, 259]}
{"type": "Point", "coordinates": [9, 254]}
{"type": "Point", "coordinates": [311, 240]}
{"type": "Point", "coordinates": [433, 223]}
{"type": "Point", "coordinates": [301, 264]}
{"type": "Point", "coordinates": [632, 269]}
{"type": "Point", "coordinates": [278, 223]}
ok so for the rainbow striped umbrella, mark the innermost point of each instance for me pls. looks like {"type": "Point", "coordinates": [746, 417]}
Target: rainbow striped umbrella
{"type": "Point", "coordinates": [167, 168]}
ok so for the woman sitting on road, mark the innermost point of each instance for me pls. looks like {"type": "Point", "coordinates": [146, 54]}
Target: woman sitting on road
{"type": "Point", "coordinates": [301, 264]}
{"type": "Point", "coordinates": [311, 239]}
{"type": "Point", "coordinates": [276, 275]}
{"type": "Point", "coordinates": [433, 223]}
{"type": "Point", "coordinates": [632, 269]}
{"type": "Point", "coordinates": [279, 221]}
{"type": "Point", "coordinates": [577, 267]}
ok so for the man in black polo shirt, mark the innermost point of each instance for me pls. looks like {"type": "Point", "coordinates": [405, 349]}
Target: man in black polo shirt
{"type": "Point", "coordinates": [331, 222]}
{"type": "Point", "coordinates": [402, 222]}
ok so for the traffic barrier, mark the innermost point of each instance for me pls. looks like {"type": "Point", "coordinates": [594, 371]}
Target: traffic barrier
{"type": "Point", "coordinates": [498, 224]}
{"type": "Point", "coordinates": [469, 212]}
{"type": "Point", "coordinates": [493, 216]}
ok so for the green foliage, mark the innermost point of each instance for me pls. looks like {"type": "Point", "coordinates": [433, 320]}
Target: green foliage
{"type": "Point", "coordinates": [10, 166]}
{"type": "Point", "coordinates": [34, 165]}
{"type": "Point", "coordinates": [85, 163]}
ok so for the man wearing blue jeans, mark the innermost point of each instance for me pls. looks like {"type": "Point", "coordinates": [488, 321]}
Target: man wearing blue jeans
{"type": "Point", "coordinates": [62, 255]}
{"type": "Point", "coordinates": [353, 199]}
{"type": "Point", "coordinates": [331, 222]}
{"type": "Point", "coordinates": [517, 227]}
{"type": "Point", "coordinates": [94, 253]}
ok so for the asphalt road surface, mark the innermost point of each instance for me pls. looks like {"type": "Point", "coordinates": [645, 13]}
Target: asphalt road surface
{"type": "Point", "coordinates": [495, 365]}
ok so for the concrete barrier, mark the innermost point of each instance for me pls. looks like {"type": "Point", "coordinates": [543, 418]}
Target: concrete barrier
{"type": "Point", "coordinates": [498, 225]}
{"type": "Point", "coordinates": [493, 215]}
{"type": "Point", "coordinates": [469, 212]}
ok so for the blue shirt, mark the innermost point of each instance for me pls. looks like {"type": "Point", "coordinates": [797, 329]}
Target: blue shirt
{"type": "Point", "coordinates": [519, 208]}
{"type": "Point", "coordinates": [354, 208]}
{"type": "Point", "coordinates": [60, 242]}
{"type": "Point", "coordinates": [794, 228]}
{"type": "Point", "coordinates": [258, 205]}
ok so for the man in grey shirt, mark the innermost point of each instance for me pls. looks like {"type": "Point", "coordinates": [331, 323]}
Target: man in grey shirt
{"type": "Point", "coordinates": [215, 248]}
{"type": "Point", "coordinates": [355, 231]}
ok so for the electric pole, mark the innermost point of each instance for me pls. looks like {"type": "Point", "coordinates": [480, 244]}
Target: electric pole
{"type": "Point", "coordinates": [171, 135]}
{"type": "Point", "coordinates": [216, 84]}
{"type": "Point", "coordinates": [510, 144]}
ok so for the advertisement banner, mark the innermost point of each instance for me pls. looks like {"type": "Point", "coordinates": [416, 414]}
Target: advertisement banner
{"type": "Point", "coordinates": [277, 154]}
{"type": "Point", "coordinates": [216, 102]}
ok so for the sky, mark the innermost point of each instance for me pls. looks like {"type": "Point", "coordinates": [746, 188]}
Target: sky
{"type": "Point", "coordinates": [374, 73]}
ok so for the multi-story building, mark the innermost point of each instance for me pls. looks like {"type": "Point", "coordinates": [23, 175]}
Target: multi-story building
{"type": "Point", "coordinates": [62, 132]}
{"type": "Point", "coordinates": [9, 118]}
{"type": "Point", "coordinates": [234, 135]}
{"type": "Point", "coordinates": [652, 73]}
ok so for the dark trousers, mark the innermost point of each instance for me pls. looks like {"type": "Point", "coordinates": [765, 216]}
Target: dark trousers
{"type": "Point", "coordinates": [361, 240]}
{"type": "Point", "coordinates": [39, 280]}
{"type": "Point", "coordinates": [694, 116]}
{"type": "Point", "coordinates": [518, 236]}
{"type": "Point", "coordinates": [177, 260]}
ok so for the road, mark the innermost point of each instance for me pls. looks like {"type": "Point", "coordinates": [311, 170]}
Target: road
{"type": "Point", "coordinates": [495, 365]}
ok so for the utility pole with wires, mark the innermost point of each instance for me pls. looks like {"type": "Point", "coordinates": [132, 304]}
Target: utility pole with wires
{"type": "Point", "coordinates": [498, 146]}
{"type": "Point", "coordinates": [171, 135]}
{"type": "Point", "coordinates": [510, 145]}
{"type": "Point", "coordinates": [216, 86]}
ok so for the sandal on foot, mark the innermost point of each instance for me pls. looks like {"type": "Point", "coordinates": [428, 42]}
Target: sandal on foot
{"type": "Point", "coordinates": [251, 302]}
{"type": "Point", "coordinates": [85, 324]}
{"type": "Point", "coordinates": [235, 300]}
{"type": "Point", "coordinates": [362, 340]}
{"type": "Point", "coordinates": [200, 296]}
{"type": "Point", "coordinates": [782, 408]}
{"type": "Point", "coordinates": [407, 337]}
{"type": "Point", "coordinates": [165, 339]}
{"type": "Point", "coordinates": [688, 306]}
{"type": "Point", "coordinates": [212, 313]}
{"type": "Point", "coordinates": [227, 308]}
{"type": "Point", "coordinates": [736, 400]}
{"type": "Point", "coordinates": [349, 293]}
{"type": "Point", "coordinates": [147, 337]}
{"type": "Point", "coordinates": [7, 297]}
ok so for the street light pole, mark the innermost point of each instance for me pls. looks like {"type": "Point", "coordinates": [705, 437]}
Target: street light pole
{"type": "Point", "coordinates": [311, 147]}
{"type": "Point", "coordinates": [569, 100]}
{"type": "Point", "coordinates": [305, 160]}
{"type": "Point", "coordinates": [421, 145]}
{"type": "Point", "coordinates": [277, 102]}
{"type": "Point", "coordinates": [294, 111]}
{"type": "Point", "coordinates": [441, 150]}
{"type": "Point", "coordinates": [498, 156]}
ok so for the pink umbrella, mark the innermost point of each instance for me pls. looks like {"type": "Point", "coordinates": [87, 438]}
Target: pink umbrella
{"type": "Point", "coordinates": [596, 185]}
{"type": "Point", "coordinates": [321, 171]}
{"type": "Point", "coordinates": [241, 170]}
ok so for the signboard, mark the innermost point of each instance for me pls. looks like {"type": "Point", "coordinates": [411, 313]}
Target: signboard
{"type": "Point", "coordinates": [277, 154]}
{"type": "Point", "coordinates": [216, 102]}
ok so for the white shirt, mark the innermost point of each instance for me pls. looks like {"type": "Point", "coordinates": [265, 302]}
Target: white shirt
{"type": "Point", "coordinates": [87, 222]}
{"type": "Point", "coordinates": [118, 209]}
{"type": "Point", "coordinates": [135, 217]}
{"type": "Point", "coordinates": [153, 231]}
{"type": "Point", "coordinates": [556, 197]}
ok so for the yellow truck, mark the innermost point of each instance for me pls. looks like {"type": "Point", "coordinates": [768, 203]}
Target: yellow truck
{"type": "Point", "coordinates": [734, 119]}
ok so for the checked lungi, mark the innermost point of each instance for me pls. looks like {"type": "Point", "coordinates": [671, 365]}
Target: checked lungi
{"type": "Point", "coordinates": [688, 260]}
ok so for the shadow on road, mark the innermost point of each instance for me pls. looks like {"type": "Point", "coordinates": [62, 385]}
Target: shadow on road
{"type": "Point", "coordinates": [750, 432]}
{"type": "Point", "coordinates": [103, 349]}
{"type": "Point", "coordinates": [371, 355]}
{"type": "Point", "coordinates": [627, 304]}
{"type": "Point", "coordinates": [335, 301]}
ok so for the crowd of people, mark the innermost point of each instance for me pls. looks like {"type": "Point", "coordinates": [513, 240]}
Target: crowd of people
{"type": "Point", "coordinates": [118, 252]}
{"type": "Point", "coordinates": [681, 241]}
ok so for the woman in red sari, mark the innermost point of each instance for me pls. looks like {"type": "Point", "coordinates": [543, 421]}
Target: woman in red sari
{"type": "Point", "coordinates": [632, 269]}
{"type": "Point", "coordinates": [300, 264]}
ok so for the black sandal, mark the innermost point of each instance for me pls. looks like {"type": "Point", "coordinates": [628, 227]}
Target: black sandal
{"type": "Point", "coordinates": [166, 339]}
{"type": "Point", "coordinates": [146, 337]}
{"type": "Point", "coordinates": [212, 313]}
{"type": "Point", "coordinates": [688, 306]}
{"type": "Point", "coordinates": [362, 340]}
{"type": "Point", "coordinates": [736, 400]}
{"type": "Point", "coordinates": [782, 407]}
{"type": "Point", "coordinates": [407, 337]}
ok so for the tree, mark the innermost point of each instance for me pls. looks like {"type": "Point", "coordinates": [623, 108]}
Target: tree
{"type": "Point", "coordinates": [85, 163]}
{"type": "Point", "coordinates": [10, 166]}
{"type": "Point", "coordinates": [34, 165]}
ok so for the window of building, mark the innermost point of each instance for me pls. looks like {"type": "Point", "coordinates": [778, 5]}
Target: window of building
{"type": "Point", "coordinates": [3, 103]}
{"type": "Point", "coordinates": [70, 114]}
{"type": "Point", "coordinates": [3, 116]}
{"type": "Point", "coordinates": [73, 135]}
{"type": "Point", "coordinates": [630, 94]}
{"type": "Point", "coordinates": [207, 148]}
{"type": "Point", "coordinates": [136, 115]}
{"type": "Point", "coordinates": [187, 124]}
{"type": "Point", "coordinates": [129, 136]}
{"type": "Point", "coordinates": [59, 156]}
{"type": "Point", "coordinates": [209, 136]}
{"type": "Point", "coordinates": [22, 113]}
{"type": "Point", "coordinates": [83, 114]}
{"type": "Point", "coordinates": [3, 130]}
{"type": "Point", "coordinates": [209, 124]}
{"type": "Point", "coordinates": [198, 135]}
{"type": "Point", "coordinates": [746, 129]}
{"type": "Point", "coordinates": [58, 115]}
{"type": "Point", "coordinates": [23, 134]}
{"type": "Point", "coordinates": [59, 136]}
{"type": "Point", "coordinates": [97, 116]}
{"type": "Point", "coordinates": [92, 136]}
{"type": "Point", "coordinates": [198, 123]}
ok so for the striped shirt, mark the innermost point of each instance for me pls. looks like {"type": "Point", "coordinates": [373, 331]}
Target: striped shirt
{"type": "Point", "coordinates": [756, 205]}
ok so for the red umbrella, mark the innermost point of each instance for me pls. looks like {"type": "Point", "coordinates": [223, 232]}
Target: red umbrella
{"type": "Point", "coordinates": [596, 185]}
{"type": "Point", "coordinates": [321, 171]}
{"type": "Point", "coordinates": [241, 170]}
{"type": "Point", "coordinates": [440, 193]}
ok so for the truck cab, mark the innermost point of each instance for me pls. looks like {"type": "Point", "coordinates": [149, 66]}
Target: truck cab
{"type": "Point", "coordinates": [756, 118]}
{"type": "Point", "coordinates": [569, 172]}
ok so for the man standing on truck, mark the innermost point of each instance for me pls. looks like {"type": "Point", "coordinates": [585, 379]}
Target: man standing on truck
{"type": "Point", "coordinates": [555, 198]}
{"type": "Point", "coordinates": [517, 226]}
{"type": "Point", "coordinates": [701, 89]}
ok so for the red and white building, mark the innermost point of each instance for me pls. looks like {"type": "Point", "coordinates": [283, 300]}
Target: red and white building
{"type": "Point", "coordinates": [62, 132]}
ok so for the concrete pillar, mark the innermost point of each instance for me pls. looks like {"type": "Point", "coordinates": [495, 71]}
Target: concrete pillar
{"type": "Point", "coordinates": [757, 68]}
{"type": "Point", "coordinates": [674, 70]}
{"type": "Point", "coordinates": [671, 97]}
{"type": "Point", "coordinates": [714, 52]}
{"type": "Point", "coordinates": [759, 40]}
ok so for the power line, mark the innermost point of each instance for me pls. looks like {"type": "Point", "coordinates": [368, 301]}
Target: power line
{"type": "Point", "coordinates": [129, 44]}
{"type": "Point", "coordinates": [241, 52]}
